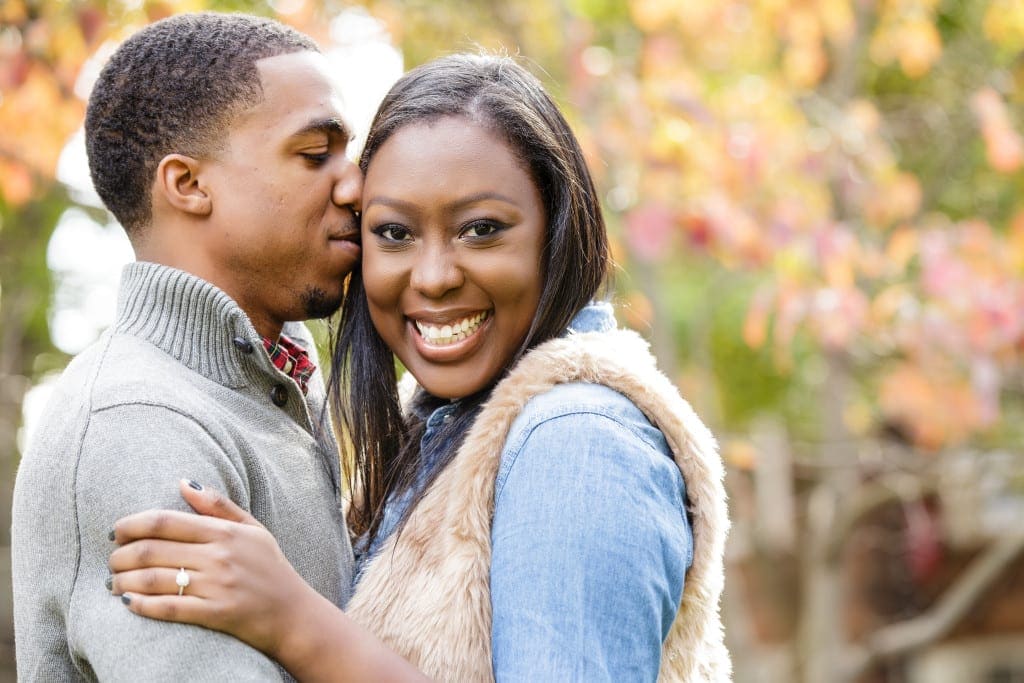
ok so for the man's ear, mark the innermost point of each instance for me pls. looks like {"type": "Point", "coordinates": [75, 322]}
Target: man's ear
{"type": "Point", "coordinates": [177, 180]}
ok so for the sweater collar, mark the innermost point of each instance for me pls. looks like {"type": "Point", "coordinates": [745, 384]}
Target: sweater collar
{"type": "Point", "coordinates": [192, 321]}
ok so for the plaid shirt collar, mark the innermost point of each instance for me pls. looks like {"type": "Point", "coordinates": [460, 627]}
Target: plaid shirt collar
{"type": "Point", "coordinates": [291, 359]}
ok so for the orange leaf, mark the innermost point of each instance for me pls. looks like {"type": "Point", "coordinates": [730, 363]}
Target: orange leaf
{"type": "Point", "coordinates": [15, 183]}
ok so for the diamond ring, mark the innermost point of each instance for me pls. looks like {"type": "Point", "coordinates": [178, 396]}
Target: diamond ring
{"type": "Point", "coordinates": [182, 580]}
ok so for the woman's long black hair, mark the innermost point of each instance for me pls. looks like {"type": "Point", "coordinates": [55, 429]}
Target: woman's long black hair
{"type": "Point", "coordinates": [381, 443]}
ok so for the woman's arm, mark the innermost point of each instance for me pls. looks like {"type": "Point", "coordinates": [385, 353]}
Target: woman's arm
{"type": "Point", "coordinates": [241, 583]}
{"type": "Point", "coordinates": [590, 542]}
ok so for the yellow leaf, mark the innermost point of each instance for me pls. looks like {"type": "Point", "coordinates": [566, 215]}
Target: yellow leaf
{"type": "Point", "coordinates": [837, 20]}
{"type": "Point", "coordinates": [805, 64]}
{"type": "Point", "coordinates": [1004, 24]}
{"type": "Point", "coordinates": [920, 46]}
{"type": "Point", "coordinates": [13, 12]}
{"type": "Point", "coordinates": [651, 15]}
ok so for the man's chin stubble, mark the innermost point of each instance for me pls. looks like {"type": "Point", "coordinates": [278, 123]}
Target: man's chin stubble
{"type": "Point", "coordinates": [317, 304]}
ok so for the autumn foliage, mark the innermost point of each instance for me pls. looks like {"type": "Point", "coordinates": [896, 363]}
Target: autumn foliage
{"type": "Point", "coordinates": [849, 169]}
{"type": "Point", "coordinates": [843, 158]}
{"type": "Point", "coordinates": [816, 206]}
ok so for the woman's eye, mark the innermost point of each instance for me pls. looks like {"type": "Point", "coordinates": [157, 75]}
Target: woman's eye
{"type": "Point", "coordinates": [393, 233]}
{"type": "Point", "coordinates": [481, 229]}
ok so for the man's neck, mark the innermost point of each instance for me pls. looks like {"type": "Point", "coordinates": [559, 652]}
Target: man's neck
{"type": "Point", "coordinates": [266, 329]}
{"type": "Point", "coordinates": [194, 261]}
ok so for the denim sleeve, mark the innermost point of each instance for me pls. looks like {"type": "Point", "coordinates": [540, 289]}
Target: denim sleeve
{"type": "Point", "coordinates": [590, 548]}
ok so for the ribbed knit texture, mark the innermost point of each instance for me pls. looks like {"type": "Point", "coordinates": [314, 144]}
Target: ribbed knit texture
{"type": "Point", "coordinates": [180, 386]}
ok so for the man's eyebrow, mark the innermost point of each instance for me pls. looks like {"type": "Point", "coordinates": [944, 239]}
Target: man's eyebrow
{"type": "Point", "coordinates": [331, 127]}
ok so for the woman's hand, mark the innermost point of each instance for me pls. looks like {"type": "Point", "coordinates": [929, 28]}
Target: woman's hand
{"type": "Point", "coordinates": [239, 581]}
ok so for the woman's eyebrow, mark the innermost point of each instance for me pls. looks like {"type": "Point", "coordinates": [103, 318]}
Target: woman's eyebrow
{"type": "Point", "coordinates": [460, 203]}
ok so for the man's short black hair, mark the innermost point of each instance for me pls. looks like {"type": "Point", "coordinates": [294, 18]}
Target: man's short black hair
{"type": "Point", "coordinates": [174, 87]}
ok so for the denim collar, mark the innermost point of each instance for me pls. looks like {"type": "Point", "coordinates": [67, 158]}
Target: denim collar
{"type": "Point", "coordinates": [597, 316]}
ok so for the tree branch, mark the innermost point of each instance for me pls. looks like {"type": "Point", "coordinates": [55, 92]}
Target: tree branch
{"type": "Point", "coordinates": [903, 637]}
{"type": "Point", "coordinates": [894, 487]}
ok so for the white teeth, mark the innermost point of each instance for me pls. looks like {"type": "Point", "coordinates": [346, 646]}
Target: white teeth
{"type": "Point", "coordinates": [450, 333]}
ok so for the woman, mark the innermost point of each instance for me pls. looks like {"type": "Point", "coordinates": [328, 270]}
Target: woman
{"type": "Point", "coordinates": [524, 517]}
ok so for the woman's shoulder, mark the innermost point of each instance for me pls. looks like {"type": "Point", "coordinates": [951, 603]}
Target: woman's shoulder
{"type": "Point", "coordinates": [581, 399]}
{"type": "Point", "coordinates": [579, 436]}
{"type": "Point", "coordinates": [583, 417]}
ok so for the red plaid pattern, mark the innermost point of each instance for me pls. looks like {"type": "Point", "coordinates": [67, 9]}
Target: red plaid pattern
{"type": "Point", "coordinates": [291, 359]}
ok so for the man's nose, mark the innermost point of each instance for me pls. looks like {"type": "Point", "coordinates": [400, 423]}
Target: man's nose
{"type": "Point", "coordinates": [348, 185]}
{"type": "Point", "coordinates": [435, 271]}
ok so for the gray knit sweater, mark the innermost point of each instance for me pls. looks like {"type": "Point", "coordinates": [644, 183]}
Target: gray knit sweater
{"type": "Point", "coordinates": [179, 387]}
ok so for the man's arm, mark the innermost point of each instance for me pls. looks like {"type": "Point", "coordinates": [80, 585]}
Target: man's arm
{"type": "Point", "coordinates": [132, 457]}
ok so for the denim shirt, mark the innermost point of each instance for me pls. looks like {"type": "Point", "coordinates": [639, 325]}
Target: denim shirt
{"type": "Point", "coordinates": [590, 536]}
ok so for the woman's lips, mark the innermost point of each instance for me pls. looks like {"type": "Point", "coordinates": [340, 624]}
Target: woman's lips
{"type": "Point", "coordinates": [444, 334]}
{"type": "Point", "coordinates": [450, 340]}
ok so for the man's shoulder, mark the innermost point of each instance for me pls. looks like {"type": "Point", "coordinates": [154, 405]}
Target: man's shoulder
{"type": "Point", "coordinates": [122, 370]}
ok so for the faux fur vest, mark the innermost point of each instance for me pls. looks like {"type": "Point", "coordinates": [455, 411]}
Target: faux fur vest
{"type": "Point", "coordinates": [427, 595]}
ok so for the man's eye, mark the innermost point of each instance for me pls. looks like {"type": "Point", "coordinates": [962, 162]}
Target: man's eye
{"type": "Point", "coordinates": [318, 159]}
{"type": "Point", "coordinates": [393, 233]}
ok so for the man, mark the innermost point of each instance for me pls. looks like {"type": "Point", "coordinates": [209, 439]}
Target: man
{"type": "Point", "coordinates": [218, 143]}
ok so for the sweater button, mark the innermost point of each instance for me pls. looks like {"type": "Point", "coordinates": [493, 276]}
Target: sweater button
{"type": "Point", "coordinates": [242, 344]}
{"type": "Point", "coordinates": [279, 395]}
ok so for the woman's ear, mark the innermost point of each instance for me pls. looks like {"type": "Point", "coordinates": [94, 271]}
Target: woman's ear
{"type": "Point", "coordinates": [177, 180]}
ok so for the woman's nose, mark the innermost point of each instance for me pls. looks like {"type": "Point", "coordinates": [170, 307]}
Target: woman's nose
{"type": "Point", "coordinates": [435, 272]}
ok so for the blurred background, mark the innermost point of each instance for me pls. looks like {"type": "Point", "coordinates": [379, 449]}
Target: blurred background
{"type": "Point", "coordinates": [817, 210]}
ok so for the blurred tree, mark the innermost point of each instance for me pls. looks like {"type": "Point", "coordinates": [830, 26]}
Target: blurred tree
{"type": "Point", "coordinates": [816, 205]}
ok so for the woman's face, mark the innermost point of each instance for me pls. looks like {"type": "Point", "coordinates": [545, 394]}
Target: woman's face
{"type": "Point", "coordinates": [452, 232]}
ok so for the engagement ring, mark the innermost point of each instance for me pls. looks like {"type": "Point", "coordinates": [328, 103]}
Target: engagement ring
{"type": "Point", "coordinates": [182, 580]}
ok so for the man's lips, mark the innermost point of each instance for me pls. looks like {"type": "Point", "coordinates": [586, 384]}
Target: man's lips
{"type": "Point", "coordinates": [348, 236]}
{"type": "Point", "coordinates": [346, 231]}
{"type": "Point", "coordinates": [348, 245]}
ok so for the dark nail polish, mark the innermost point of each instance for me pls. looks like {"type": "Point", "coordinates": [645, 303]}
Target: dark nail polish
{"type": "Point", "coordinates": [112, 535]}
{"type": "Point", "coordinates": [125, 599]}
{"type": "Point", "coordinates": [195, 485]}
{"type": "Point", "coordinates": [109, 583]}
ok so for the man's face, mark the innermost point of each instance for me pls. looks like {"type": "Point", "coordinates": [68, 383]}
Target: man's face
{"type": "Point", "coordinates": [283, 232]}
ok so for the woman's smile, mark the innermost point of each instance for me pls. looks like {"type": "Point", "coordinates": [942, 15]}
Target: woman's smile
{"type": "Point", "coordinates": [453, 331]}
{"type": "Point", "coordinates": [451, 342]}
{"type": "Point", "coordinates": [453, 229]}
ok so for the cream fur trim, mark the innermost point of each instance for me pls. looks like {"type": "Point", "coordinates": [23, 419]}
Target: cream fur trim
{"type": "Point", "coordinates": [427, 594]}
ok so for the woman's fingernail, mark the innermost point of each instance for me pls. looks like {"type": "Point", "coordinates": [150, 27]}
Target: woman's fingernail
{"type": "Point", "coordinates": [109, 583]}
{"type": "Point", "coordinates": [125, 599]}
{"type": "Point", "coordinates": [195, 485]}
{"type": "Point", "coordinates": [112, 535]}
